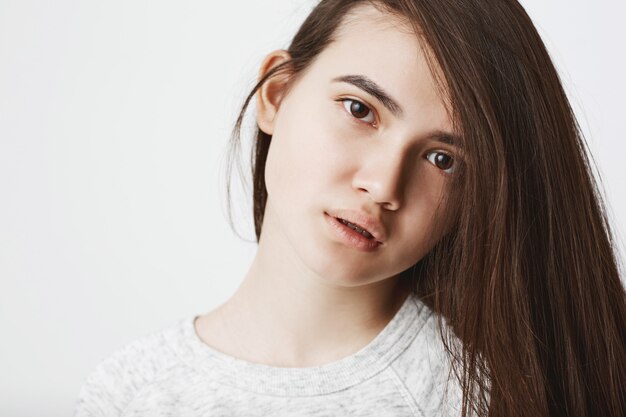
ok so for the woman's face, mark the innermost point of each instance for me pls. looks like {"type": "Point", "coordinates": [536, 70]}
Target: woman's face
{"type": "Point", "coordinates": [338, 144]}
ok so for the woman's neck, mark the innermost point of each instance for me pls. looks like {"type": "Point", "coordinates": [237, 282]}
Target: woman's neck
{"type": "Point", "coordinates": [282, 319]}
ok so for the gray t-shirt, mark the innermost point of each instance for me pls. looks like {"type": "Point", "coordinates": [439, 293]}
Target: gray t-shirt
{"type": "Point", "coordinates": [403, 371]}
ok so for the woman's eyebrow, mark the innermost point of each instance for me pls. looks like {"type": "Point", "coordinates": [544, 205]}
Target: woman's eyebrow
{"type": "Point", "coordinates": [447, 138]}
{"type": "Point", "coordinates": [370, 87]}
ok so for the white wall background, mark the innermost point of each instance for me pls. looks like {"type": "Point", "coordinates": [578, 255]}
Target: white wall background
{"type": "Point", "coordinates": [114, 119]}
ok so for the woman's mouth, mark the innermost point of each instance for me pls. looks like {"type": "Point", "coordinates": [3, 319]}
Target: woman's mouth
{"type": "Point", "coordinates": [351, 235]}
{"type": "Point", "coordinates": [356, 228]}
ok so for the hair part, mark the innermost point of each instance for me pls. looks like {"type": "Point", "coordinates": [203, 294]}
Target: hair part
{"type": "Point", "coordinates": [527, 278]}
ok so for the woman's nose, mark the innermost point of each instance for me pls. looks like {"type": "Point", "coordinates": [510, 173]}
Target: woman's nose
{"type": "Point", "coordinates": [381, 176]}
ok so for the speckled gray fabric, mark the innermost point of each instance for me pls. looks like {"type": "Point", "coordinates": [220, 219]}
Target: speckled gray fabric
{"type": "Point", "coordinates": [403, 371]}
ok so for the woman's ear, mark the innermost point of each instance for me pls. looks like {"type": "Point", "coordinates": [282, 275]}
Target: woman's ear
{"type": "Point", "coordinates": [272, 91]}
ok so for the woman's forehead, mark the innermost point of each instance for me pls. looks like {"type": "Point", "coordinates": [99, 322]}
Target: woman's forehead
{"type": "Point", "coordinates": [366, 14]}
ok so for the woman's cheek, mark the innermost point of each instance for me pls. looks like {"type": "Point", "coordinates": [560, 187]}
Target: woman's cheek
{"type": "Point", "coordinates": [340, 155]}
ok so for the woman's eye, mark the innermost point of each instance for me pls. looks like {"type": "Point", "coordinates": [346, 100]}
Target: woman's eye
{"type": "Point", "coordinates": [358, 110]}
{"type": "Point", "coordinates": [442, 161]}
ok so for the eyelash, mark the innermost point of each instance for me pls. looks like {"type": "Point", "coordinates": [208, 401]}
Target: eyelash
{"type": "Point", "coordinates": [447, 171]}
{"type": "Point", "coordinates": [344, 100]}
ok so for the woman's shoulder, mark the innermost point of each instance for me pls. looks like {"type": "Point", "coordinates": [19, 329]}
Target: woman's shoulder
{"type": "Point", "coordinates": [425, 366]}
{"type": "Point", "coordinates": [119, 377]}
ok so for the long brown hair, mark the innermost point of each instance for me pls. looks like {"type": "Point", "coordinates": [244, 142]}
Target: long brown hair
{"type": "Point", "coordinates": [528, 278]}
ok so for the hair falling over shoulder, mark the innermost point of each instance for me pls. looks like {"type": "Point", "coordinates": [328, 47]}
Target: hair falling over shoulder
{"type": "Point", "coordinates": [528, 278]}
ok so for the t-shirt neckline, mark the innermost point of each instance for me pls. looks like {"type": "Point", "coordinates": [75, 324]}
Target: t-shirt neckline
{"type": "Point", "coordinates": [374, 357]}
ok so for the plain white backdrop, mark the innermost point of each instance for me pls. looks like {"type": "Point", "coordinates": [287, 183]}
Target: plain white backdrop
{"type": "Point", "coordinates": [114, 121]}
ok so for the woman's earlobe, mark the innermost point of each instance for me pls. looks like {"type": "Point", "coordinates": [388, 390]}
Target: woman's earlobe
{"type": "Point", "coordinates": [271, 93]}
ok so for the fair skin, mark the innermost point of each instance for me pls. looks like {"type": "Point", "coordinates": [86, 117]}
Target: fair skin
{"type": "Point", "coordinates": [308, 299]}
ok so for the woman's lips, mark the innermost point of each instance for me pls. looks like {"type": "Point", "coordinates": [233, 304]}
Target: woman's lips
{"type": "Point", "coordinates": [351, 237]}
{"type": "Point", "coordinates": [356, 228]}
{"type": "Point", "coordinates": [363, 220]}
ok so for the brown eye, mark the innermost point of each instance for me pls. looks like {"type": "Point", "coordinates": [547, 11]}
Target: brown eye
{"type": "Point", "coordinates": [441, 160]}
{"type": "Point", "coordinates": [358, 110]}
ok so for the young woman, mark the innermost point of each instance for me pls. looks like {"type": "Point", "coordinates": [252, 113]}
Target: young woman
{"type": "Point", "coordinates": [430, 237]}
